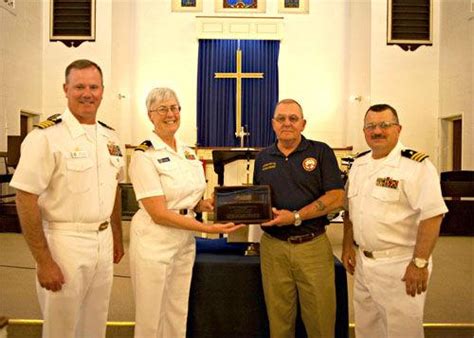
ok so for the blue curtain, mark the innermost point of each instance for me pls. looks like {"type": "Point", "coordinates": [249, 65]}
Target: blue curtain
{"type": "Point", "coordinates": [216, 97]}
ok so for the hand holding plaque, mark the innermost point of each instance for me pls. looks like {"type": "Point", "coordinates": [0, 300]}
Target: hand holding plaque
{"type": "Point", "coordinates": [243, 204]}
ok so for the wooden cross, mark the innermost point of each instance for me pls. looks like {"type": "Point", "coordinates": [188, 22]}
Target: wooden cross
{"type": "Point", "coordinates": [238, 75]}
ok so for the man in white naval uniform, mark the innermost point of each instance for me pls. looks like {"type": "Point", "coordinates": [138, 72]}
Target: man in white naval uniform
{"type": "Point", "coordinates": [395, 208]}
{"type": "Point", "coordinates": [69, 207]}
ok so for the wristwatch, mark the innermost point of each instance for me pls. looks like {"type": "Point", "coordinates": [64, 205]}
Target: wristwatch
{"type": "Point", "coordinates": [420, 263]}
{"type": "Point", "coordinates": [298, 220]}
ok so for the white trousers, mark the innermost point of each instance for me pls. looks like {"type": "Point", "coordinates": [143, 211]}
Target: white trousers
{"type": "Point", "coordinates": [79, 309]}
{"type": "Point", "coordinates": [161, 265]}
{"type": "Point", "coordinates": [382, 308]}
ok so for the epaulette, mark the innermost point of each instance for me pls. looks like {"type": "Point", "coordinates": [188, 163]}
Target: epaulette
{"type": "Point", "coordinates": [414, 155]}
{"type": "Point", "coordinates": [49, 122]}
{"type": "Point", "coordinates": [144, 146]}
{"type": "Point", "coordinates": [362, 153]}
{"type": "Point", "coordinates": [106, 126]}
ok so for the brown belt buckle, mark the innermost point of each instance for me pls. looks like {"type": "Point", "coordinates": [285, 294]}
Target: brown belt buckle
{"type": "Point", "coordinates": [103, 225]}
{"type": "Point", "coordinates": [368, 254]}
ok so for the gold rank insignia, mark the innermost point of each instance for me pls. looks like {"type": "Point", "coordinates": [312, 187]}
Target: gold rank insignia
{"type": "Point", "coordinates": [114, 149]}
{"type": "Point", "coordinates": [414, 155]}
{"type": "Point", "coordinates": [189, 155]}
{"type": "Point", "coordinates": [144, 146]}
{"type": "Point", "coordinates": [387, 182]}
{"type": "Point", "coordinates": [49, 122]}
{"type": "Point", "coordinates": [309, 163]}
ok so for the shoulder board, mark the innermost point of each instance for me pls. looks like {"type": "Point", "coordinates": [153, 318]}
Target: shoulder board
{"type": "Point", "coordinates": [414, 155]}
{"type": "Point", "coordinates": [49, 122]}
{"type": "Point", "coordinates": [106, 126]}
{"type": "Point", "coordinates": [144, 146]}
{"type": "Point", "coordinates": [362, 153]}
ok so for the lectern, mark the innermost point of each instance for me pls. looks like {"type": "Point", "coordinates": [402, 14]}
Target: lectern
{"type": "Point", "coordinates": [223, 157]}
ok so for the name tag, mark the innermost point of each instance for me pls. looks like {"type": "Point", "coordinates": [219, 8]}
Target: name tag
{"type": "Point", "coordinates": [163, 160]}
{"type": "Point", "coordinates": [79, 154]}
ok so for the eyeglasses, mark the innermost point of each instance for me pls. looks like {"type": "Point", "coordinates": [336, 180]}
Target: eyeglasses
{"type": "Point", "coordinates": [163, 110]}
{"type": "Point", "coordinates": [283, 118]}
{"type": "Point", "coordinates": [382, 125]}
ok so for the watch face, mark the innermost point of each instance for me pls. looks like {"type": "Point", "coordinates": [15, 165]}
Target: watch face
{"type": "Point", "coordinates": [297, 218]}
{"type": "Point", "coordinates": [420, 262]}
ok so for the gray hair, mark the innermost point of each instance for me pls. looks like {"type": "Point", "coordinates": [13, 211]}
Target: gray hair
{"type": "Point", "coordinates": [160, 94]}
{"type": "Point", "coordinates": [289, 101]}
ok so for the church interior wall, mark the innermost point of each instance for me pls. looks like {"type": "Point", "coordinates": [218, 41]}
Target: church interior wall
{"type": "Point", "coordinates": [456, 69]}
{"type": "Point", "coordinates": [21, 65]}
{"type": "Point", "coordinates": [56, 57]}
{"type": "Point", "coordinates": [334, 60]}
{"type": "Point", "coordinates": [409, 81]}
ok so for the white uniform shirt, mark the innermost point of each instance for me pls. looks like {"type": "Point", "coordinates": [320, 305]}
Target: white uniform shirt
{"type": "Point", "coordinates": [75, 177]}
{"type": "Point", "coordinates": [387, 200]}
{"type": "Point", "coordinates": [179, 176]}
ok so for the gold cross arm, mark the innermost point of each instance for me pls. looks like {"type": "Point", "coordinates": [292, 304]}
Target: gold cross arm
{"type": "Point", "coordinates": [238, 75]}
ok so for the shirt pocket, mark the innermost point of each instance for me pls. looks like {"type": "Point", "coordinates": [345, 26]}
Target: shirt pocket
{"type": "Point", "coordinates": [199, 180]}
{"type": "Point", "coordinates": [385, 205]}
{"type": "Point", "coordinates": [386, 194]}
{"type": "Point", "coordinates": [79, 174]}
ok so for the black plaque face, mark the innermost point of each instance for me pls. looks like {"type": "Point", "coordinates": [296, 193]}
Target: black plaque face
{"type": "Point", "coordinates": [243, 204]}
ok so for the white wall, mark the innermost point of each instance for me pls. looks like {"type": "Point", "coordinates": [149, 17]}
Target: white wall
{"type": "Point", "coordinates": [20, 65]}
{"type": "Point", "coordinates": [457, 70]}
{"type": "Point", "coordinates": [56, 57]}
{"type": "Point", "coordinates": [336, 52]}
{"type": "Point", "coordinates": [409, 81]}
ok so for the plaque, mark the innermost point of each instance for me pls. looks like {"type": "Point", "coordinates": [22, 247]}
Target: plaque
{"type": "Point", "coordinates": [243, 204]}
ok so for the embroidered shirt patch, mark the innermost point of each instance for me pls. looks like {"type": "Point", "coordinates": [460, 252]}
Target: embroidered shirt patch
{"type": "Point", "coordinates": [268, 166]}
{"type": "Point", "coordinates": [310, 163]}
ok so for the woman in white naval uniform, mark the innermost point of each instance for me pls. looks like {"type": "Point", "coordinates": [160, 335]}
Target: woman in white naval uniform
{"type": "Point", "coordinates": [169, 183]}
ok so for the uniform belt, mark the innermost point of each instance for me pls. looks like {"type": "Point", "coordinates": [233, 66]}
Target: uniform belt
{"type": "Point", "coordinates": [400, 251]}
{"type": "Point", "coordinates": [302, 238]}
{"type": "Point", "coordinates": [80, 227]}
